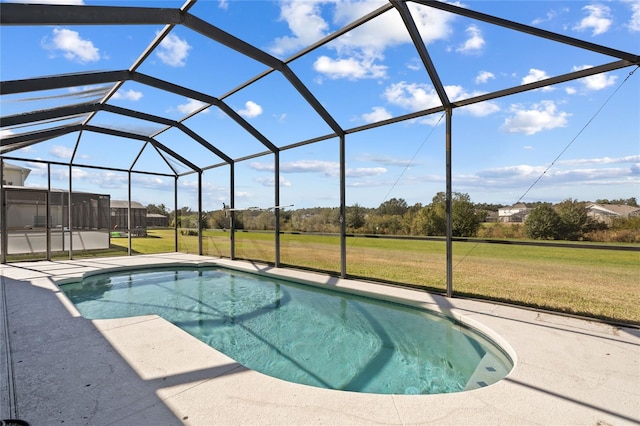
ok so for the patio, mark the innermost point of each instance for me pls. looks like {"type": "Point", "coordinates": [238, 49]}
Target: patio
{"type": "Point", "coordinates": [66, 369]}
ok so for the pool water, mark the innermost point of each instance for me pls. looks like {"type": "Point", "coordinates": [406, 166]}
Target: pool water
{"type": "Point", "coordinates": [301, 333]}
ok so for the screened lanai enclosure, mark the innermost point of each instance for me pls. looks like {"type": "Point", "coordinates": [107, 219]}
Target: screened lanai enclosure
{"type": "Point", "coordinates": [258, 108]}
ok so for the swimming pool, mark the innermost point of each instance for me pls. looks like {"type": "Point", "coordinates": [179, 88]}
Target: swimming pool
{"type": "Point", "coordinates": [300, 333]}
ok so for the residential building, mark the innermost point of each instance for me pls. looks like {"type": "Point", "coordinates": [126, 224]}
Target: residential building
{"type": "Point", "coordinates": [120, 217]}
{"type": "Point", "coordinates": [155, 220]}
{"type": "Point", "coordinates": [607, 212]}
{"type": "Point", "coordinates": [14, 175]}
{"type": "Point", "coordinates": [516, 213]}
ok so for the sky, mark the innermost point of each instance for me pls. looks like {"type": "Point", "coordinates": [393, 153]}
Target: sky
{"type": "Point", "coordinates": [575, 140]}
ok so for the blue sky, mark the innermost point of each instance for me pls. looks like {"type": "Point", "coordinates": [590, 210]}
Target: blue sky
{"type": "Point", "coordinates": [582, 136]}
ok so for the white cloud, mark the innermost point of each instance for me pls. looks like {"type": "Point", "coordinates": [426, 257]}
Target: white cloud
{"type": "Point", "coordinates": [541, 116]}
{"type": "Point", "coordinates": [305, 22]}
{"type": "Point", "coordinates": [603, 160]}
{"type": "Point", "coordinates": [358, 53]}
{"type": "Point", "coordinates": [173, 51]}
{"type": "Point", "coordinates": [412, 96]}
{"type": "Point", "coordinates": [223, 4]}
{"type": "Point", "coordinates": [533, 76]}
{"type": "Point", "coordinates": [377, 114]}
{"type": "Point", "coordinates": [251, 110]}
{"type": "Point", "coordinates": [484, 76]}
{"type": "Point", "coordinates": [415, 64]}
{"type": "Point", "coordinates": [128, 95]}
{"type": "Point", "coordinates": [82, 174]}
{"type": "Point", "coordinates": [474, 43]}
{"type": "Point", "coordinates": [365, 171]}
{"type": "Point", "coordinates": [536, 75]}
{"type": "Point", "coordinates": [61, 151]}
{"type": "Point", "coordinates": [596, 81]}
{"type": "Point", "coordinates": [634, 21]}
{"type": "Point", "coordinates": [416, 97]}
{"type": "Point", "coordinates": [326, 168]}
{"type": "Point", "coordinates": [482, 109]}
{"type": "Point", "coordinates": [385, 160]}
{"type": "Point", "coordinates": [351, 68]}
{"type": "Point", "coordinates": [507, 172]}
{"type": "Point", "coordinates": [329, 168]}
{"type": "Point", "coordinates": [521, 176]}
{"type": "Point", "coordinates": [598, 19]}
{"type": "Point", "coordinates": [191, 106]}
{"type": "Point", "coordinates": [270, 181]}
{"type": "Point", "coordinates": [550, 16]}
{"type": "Point", "coordinates": [432, 24]}
{"type": "Point", "coordinates": [73, 47]}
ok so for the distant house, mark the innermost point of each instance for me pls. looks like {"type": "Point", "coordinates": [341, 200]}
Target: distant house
{"type": "Point", "coordinates": [605, 213]}
{"type": "Point", "coordinates": [38, 218]}
{"type": "Point", "coordinates": [516, 213]}
{"type": "Point", "coordinates": [155, 220]}
{"type": "Point", "coordinates": [14, 175]}
{"type": "Point", "coordinates": [492, 216]}
{"type": "Point", "coordinates": [120, 217]}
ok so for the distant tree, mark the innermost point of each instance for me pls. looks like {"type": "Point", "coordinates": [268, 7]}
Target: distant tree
{"type": "Point", "coordinates": [394, 206]}
{"type": "Point", "coordinates": [385, 224]}
{"type": "Point", "coordinates": [542, 223]}
{"type": "Point", "coordinates": [431, 220]}
{"type": "Point", "coordinates": [489, 206]}
{"type": "Point", "coordinates": [183, 217]}
{"type": "Point", "coordinates": [218, 219]}
{"type": "Point", "coordinates": [631, 223]}
{"type": "Point", "coordinates": [574, 220]}
{"type": "Point", "coordinates": [160, 209]}
{"type": "Point", "coordinates": [465, 218]}
{"type": "Point", "coordinates": [355, 217]}
{"type": "Point", "coordinates": [633, 202]}
{"type": "Point", "coordinates": [204, 221]}
{"type": "Point", "coordinates": [265, 220]}
{"type": "Point", "coordinates": [285, 218]}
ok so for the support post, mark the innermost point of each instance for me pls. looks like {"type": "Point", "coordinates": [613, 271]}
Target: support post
{"type": "Point", "coordinates": [343, 209]}
{"type": "Point", "coordinates": [175, 213]}
{"type": "Point", "coordinates": [232, 213]}
{"type": "Point", "coordinates": [200, 212]}
{"type": "Point", "coordinates": [129, 213]}
{"type": "Point", "coordinates": [448, 209]}
{"type": "Point", "coordinates": [276, 161]}
{"type": "Point", "coordinates": [70, 213]}
{"type": "Point", "coordinates": [48, 212]}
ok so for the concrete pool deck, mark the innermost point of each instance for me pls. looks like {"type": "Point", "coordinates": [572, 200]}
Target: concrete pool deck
{"type": "Point", "coordinates": [144, 371]}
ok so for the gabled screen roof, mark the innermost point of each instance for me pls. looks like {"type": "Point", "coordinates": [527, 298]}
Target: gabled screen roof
{"type": "Point", "coordinates": [202, 84]}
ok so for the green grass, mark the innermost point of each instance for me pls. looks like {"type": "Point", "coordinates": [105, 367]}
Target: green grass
{"type": "Point", "coordinates": [597, 283]}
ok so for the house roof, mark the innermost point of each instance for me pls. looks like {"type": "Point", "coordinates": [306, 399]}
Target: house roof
{"type": "Point", "coordinates": [614, 209]}
{"type": "Point", "coordinates": [119, 204]}
{"type": "Point", "coordinates": [9, 166]}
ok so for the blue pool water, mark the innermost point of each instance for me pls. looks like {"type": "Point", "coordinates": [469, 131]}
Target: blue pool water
{"type": "Point", "coordinates": [301, 333]}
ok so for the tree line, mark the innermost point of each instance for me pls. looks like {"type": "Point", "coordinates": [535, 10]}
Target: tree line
{"type": "Point", "coordinates": [567, 220]}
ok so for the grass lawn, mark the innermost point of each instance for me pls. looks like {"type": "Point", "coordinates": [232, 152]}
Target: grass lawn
{"type": "Point", "coordinates": [597, 283]}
